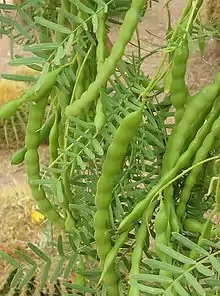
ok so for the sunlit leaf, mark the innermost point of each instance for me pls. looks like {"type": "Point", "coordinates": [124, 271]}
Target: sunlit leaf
{"type": "Point", "coordinates": [188, 243]}
{"type": "Point", "coordinates": [155, 264]}
{"type": "Point", "coordinates": [53, 26]}
{"type": "Point", "coordinates": [175, 255]}
{"type": "Point", "coordinates": [194, 283]}
{"type": "Point", "coordinates": [179, 289]}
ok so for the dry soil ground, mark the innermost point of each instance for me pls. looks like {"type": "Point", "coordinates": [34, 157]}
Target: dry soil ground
{"type": "Point", "coordinates": [15, 203]}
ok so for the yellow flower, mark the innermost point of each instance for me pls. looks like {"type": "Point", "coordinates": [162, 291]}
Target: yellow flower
{"type": "Point", "coordinates": [37, 217]}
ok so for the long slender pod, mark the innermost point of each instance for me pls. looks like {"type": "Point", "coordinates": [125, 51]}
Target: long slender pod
{"type": "Point", "coordinates": [182, 162]}
{"type": "Point", "coordinates": [11, 107]}
{"type": "Point", "coordinates": [32, 142]}
{"type": "Point", "coordinates": [200, 103]}
{"type": "Point", "coordinates": [193, 175]}
{"type": "Point", "coordinates": [141, 238]}
{"type": "Point", "coordinates": [126, 31]}
{"type": "Point", "coordinates": [112, 166]}
{"type": "Point", "coordinates": [99, 119]}
{"type": "Point", "coordinates": [19, 155]}
{"type": "Point", "coordinates": [179, 91]}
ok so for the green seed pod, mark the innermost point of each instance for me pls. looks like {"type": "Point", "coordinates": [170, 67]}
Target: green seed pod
{"type": "Point", "coordinates": [111, 167]}
{"type": "Point", "coordinates": [11, 107]}
{"type": "Point", "coordinates": [99, 119]}
{"type": "Point", "coordinates": [36, 116]}
{"type": "Point", "coordinates": [19, 155]}
{"type": "Point", "coordinates": [107, 69]}
{"type": "Point", "coordinates": [141, 240]}
{"type": "Point", "coordinates": [161, 220]}
{"type": "Point", "coordinates": [193, 175]}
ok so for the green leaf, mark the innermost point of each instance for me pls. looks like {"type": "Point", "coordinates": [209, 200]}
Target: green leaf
{"type": "Point", "coordinates": [5, 19]}
{"type": "Point", "coordinates": [53, 26]}
{"type": "Point", "coordinates": [26, 61]}
{"type": "Point", "coordinates": [69, 44]}
{"type": "Point", "coordinates": [5, 6]}
{"type": "Point", "coordinates": [204, 270]}
{"type": "Point", "coordinates": [201, 40]}
{"type": "Point", "coordinates": [84, 238]}
{"type": "Point", "coordinates": [58, 270]}
{"type": "Point", "coordinates": [25, 257]}
{"type": "Point", "coordinates": [194, 283]}
{"type": "Point", "coordinates": [82, 7]}
{"type": "Point", "coordinates": [69, 266]}
{"type": "Point", "coordinates": [74, 19]}
{"type": "Point", "coordinates": [94, 273]}
{"type": "Point", "coordinates": [59, 55]}
{"type": "Point", "coordinates": [17, 278]}
{"type": "Point", "coordinates": [80, 162]}
{"type": "Point", "coordinates": [30, 3]}
{"type": "Point", "coordinates": [60, 246]}
{"type": "Point", "coordinates": [38, 252]}
{"type": "Point", "coordinates": [179, 289]}
{"type": "Point", "coordinates": [153, 140]}
{"type": "Point", "coordinates": [16, 77]}
{"type": "Point", "coordinates": [80, 288]}
{"type": "Point", "coordinates": [21, 29]}
{"type": "Point", "coordinates": [215, 263]}
{"type": "Point", "coordinates": [42, 76]}
{"type": "Point", "coordinates": [152, 278]}
{"type": "Point", "coordinates": [83, 208]}
{"type": "Point", "coordinates": [155, 264]}
{"type": "Point", "coordinates": [89, 153]}
{"type": "Point", "coordinates": [175, 255]}
{"type": "Point", "coordinates": [45, 275]}
{"type": "Point", "coordinates": [103, 5]}
{"type": "Point", "coordinates": [40, 47]}
{"type": "Point", "coordinates": [26, 18]}
{"type": "Point", "coordinates": [188, 243]}
{"type": "Point", "coordinates": [212, 282]}
{"type": "Point", "coordinates": [9, 259]}
{"type": "Point", "coordinates": [29, 275]}
{"type": "Point", "coordinates": [97, 147]}
{"type": "Point", "coordinates": [72, 243]}
{"type": "Point", "coordinates": [148, 289]}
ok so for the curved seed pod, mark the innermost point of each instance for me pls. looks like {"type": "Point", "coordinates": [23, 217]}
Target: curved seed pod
{"type": "Point", "coordinates": [141, 238]}
{"type": "Point", "coordinates": [125, 34]}
{"type": "Point", "coordinates": [32, 169]}
{"type": "Point", "coordinates": [178, 97]}
{"type": "Point", "coordinates": [110, 169]}
{"type": "Point", "coordinates": [200, 156]}
{"type": "Point", "coordinates": [19, 155]}
{"type": "Point", "coordinates": [200, 102]}
{"type": "Point", "coordinates": [161, 225]}
{"type": "Point", "coordinates": [182, 162]}
{"type": "Point", "coordinates": [100, 117]}
{"type": "Point", "coordinates": [179, 91]}
{"type": "Point", "coordinates": [11, 107]}
{"type": "Point", "coordinates": [54, 141]}
{"type": "Point", "coordinates": [195, 226]}
{"type": "Point", "coordinates": [32, 142]}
